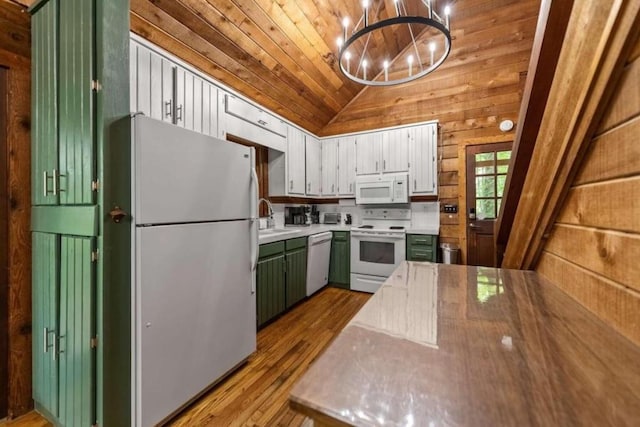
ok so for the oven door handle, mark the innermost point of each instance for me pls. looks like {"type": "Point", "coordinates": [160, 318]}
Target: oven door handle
{"type": "Point", "coordinates": [378, 236]}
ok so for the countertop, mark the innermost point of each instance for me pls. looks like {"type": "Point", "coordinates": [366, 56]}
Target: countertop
{"type": "Point", "coordinates": [454, 345]}
{"type": "Point", "coordinates": [291, 232]}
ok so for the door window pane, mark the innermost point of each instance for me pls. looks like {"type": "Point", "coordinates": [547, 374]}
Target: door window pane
{"type": "Point", "coordinates": [502, 179]}
{"type": "Point", "coordinates": [377, 252]}
{"type": "Point", "coordinates": [480, 157]}
{"type": "Point", "coordinates": [504, 155]}
{"type": "Point", "coordinates": [485, 186]}
{"type": "Point", "coordinates": [486, 208]}
{"type": "Point", "coordinates": [484, 170]}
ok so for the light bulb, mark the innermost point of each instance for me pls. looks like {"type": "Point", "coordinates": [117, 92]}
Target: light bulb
{"type": "Point", "coordinates": [339, 42]}
{"type": "Point", "coordinates": [410, 59]}
{"type": "Point", "coordinates": [365, 3]}
{"type": "Point", "coordinates": [447, 10]}
{"type": "Point", "coordinates": [364, 63]}
{"type": "Point", "coordinates": [347, 55]}
{"type": "Point", "coordinates": [432, 47]}
{"type": "Point", "coordinates": [345, 22]}
{"type": "Point", "coordinates": [385, 64]}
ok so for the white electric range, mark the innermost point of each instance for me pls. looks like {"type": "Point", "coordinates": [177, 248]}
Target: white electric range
{"type": "Point", "coordinates": [377, 247]}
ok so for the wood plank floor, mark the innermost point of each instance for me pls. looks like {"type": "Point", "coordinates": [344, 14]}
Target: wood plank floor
{"type": "Point", "coordinates": [256, 394]}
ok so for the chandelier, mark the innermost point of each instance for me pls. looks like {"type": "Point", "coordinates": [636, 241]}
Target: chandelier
{"type": "Point", "coordinates": [389, 47]}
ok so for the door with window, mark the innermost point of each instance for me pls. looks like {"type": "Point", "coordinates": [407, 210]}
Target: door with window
{"type": "Point", "coordinates": [487, 167]}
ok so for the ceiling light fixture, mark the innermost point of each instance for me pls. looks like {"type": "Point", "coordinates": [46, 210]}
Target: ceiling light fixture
{"type": "Point", "coordinates": [426, 36]}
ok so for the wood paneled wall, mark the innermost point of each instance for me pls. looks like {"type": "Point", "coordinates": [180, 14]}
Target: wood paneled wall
{"type": "Point", "coordinates": [15, 53]}
{"type": "Point", "coordinates": [593, 252]}
{"type": "Point", "coordinates": [479, 85]}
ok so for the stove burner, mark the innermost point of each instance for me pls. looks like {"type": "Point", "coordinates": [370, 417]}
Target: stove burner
{"type": "Point", "coordinates": [396, 227]}
{"type": "Point", "coordinates": [368, 227]}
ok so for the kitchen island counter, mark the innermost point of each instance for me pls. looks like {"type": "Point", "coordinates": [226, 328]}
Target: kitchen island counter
{"type": "Point", "coordinates": [455, 345]}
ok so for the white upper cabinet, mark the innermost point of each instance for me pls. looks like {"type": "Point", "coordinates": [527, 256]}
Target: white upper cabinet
{"type": "Point", "coordinates": [423, 173]}
{"type": "Point", "coordinates": [395, 150]}
{"type": "Point", "coordinates": [151, 83]}
{"type": "Point", "coordinates": [154, 82]}
{"type": "Point", "coordinates": [314, 170]}
{"type": "Point", "coordinates": [347, 166]}
{"type": "Point", "coordinates": [329, 167]}
{"type": "Point", "coordinates": [368, 148]}
{"type": "Point", "coordinates": [296, 160]}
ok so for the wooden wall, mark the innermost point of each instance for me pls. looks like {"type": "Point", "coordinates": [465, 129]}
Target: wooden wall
{"type": "Point", "coordinates": [479, 85]}
{"type": "Point", "coordinates": [15, 56]}
{"type": "Point", "coordinates": [593, 252]}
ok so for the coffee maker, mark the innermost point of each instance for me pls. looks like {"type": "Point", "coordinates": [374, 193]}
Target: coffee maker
{"type": "Point", "coordinates": [295, 215]}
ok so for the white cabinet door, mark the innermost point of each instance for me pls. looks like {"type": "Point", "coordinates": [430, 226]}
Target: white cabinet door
{"type": "Point", "coordinates": [423, 173]}
{"type": "Point", "coordinates": [368, 148]}
{"type": "Point", "coordinates": [329, 167]}
{"type": "Point", "coordinates": [395, 150]}
{"type": "Point", "coordinates": [296, 180]}
{"type": "Point", "coordinates": [347, 166]}
{"type": "Point", "coordinates": [151, 83]}
{"type": "Point", "coordinates": [313, 159]}
{"type": "Point", "coordinates": [209, 109]}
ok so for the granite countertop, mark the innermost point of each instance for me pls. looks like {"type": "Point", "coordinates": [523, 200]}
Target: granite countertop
{"type": "Point", "coordinates": [454, 345]}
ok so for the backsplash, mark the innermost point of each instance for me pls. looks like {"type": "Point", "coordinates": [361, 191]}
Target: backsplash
{"type": "Point", "coordinates": [423, 214]}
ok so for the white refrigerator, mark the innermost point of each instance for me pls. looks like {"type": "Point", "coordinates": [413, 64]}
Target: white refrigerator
{"type": "Point", "coordinates": [196, 250]}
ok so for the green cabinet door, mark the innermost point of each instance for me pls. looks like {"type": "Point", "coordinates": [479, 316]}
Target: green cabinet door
{"type": "Point", "coordinates": [296, 280]}
{"type": "Point", "coordinates": [44, 106]}
{"type": "Point", "coordinates": [340, 261]}
{"type": "Point", "coordinates": [76, 71]}
{"type": "Point", "coordinates": [46, 256]}
{"type": "Point", "coordinates": [270, 287]}
{"type": "Point", "coordinates": [77, 328]}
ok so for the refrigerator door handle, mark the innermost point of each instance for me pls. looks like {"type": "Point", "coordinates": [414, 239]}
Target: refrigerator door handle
{"type": "Point", "coordinates": [254, 224]}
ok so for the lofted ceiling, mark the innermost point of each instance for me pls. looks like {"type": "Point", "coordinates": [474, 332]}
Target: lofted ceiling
{"type": "Point", "coordinates": [283, 53]}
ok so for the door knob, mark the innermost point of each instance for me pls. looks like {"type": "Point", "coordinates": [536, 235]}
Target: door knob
{"type": "Point", "coordinates": [117, 214]}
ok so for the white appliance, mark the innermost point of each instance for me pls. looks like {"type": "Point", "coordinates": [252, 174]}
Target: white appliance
{"type": "Point", "coordinates": [382, 189]}
{"type": "Point", "coordinates": [196, 249]}
{"type": "Point", "coordinates": [377, 247]}
{"type": "Point", "coordinates": [318, 261]}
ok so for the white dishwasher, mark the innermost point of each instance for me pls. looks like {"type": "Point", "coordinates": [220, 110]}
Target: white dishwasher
{"type": "Point", "coordinates": [318, 261]}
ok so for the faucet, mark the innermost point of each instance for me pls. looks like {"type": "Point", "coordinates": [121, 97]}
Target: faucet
{"type": "Point", "coordinates": [270, 221]}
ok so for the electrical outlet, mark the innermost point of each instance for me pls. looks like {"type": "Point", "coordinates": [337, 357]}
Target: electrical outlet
{"type": "Point", "coordinates": [451, 208]}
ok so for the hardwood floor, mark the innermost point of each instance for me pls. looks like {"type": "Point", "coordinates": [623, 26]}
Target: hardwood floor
{"type": "Point", "coordinates": [256, 394]}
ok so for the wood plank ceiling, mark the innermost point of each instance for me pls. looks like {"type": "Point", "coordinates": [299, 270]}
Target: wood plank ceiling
{"type": "Point", "coordinates": [283, 54]}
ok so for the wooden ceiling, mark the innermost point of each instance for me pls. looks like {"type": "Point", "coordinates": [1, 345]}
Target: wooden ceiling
{"type": "Point", "coordinates": [283, 53]}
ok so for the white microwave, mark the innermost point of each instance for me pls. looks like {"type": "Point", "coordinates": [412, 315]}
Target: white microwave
{"type": "Point", "coordinates": [382, 189]}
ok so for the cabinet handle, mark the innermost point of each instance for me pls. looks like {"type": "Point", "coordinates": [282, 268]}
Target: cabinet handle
{"type": "Point", "coordinates": [308, 187]}
{"type": "Point", "coordinates": [384, 165]}
{"type": "Point", "coordinates": [56, 182]}
{"type": "Point", "coordinates": [45, 340]}
{"type": "Point", "coordinates": [332, 188]}
{"type": "Point", "coordinates": [179, 113]}
{"type": "Point", "coordinates": [350, 187]}
{"type": "Point", "coordinates": [45, 184]}
{"type": "Point", "coordinates": [168, 108]}
{"type": "Point", "coordinates": [376, 166]}
{"type": "Point", "coordinates": [291, 185]}
{"type": "Point", "coordinates": [262, 122]}
{"type": "Point", "coordinates": [415, 184]}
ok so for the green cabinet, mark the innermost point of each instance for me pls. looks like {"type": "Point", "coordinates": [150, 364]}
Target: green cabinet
{"type": "Point", "coordinates": [422, 247]}
{"type": "Point", "coordinates": [270, 282]}
{"type": "Point", "coordinates": [81, 266]}
{"type": "Point", "coordinates": [63, 327]}
{"type": "Point", "coordinates": [296, 271]}
{"type": "Point", "coordinates": [281, 278]}
{"type": "Point", "coordinates": [63, 151]}
{"type": "Point", "coordinates": [340, 261]}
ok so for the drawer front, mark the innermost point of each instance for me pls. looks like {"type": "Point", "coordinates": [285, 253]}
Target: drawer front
{"type": "Point", "coordinates": [300, 242]}
{"type": "Point", "coordinates": [417, 253]}
{"type": "Point", "coordinates": [420, 240]}
{"type": "Point", "coordinates": [271, 249]}
{"type": "Point", "coordinates": [341, 236]}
